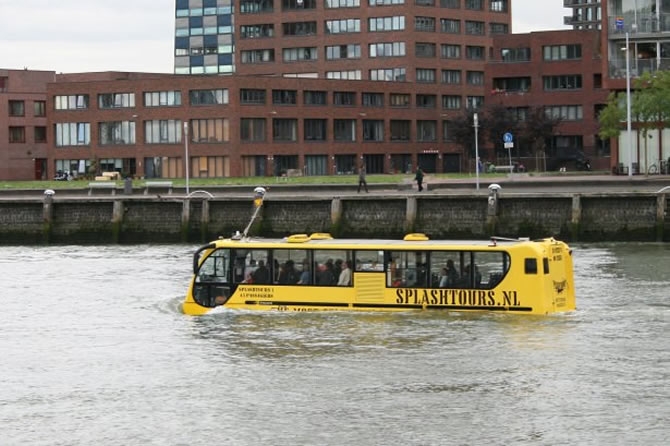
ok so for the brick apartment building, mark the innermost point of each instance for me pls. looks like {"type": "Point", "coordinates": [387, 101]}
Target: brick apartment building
{"type": "Point", "coordinates": [562, 72]}
{"type": "Point", "coordinates": [23, 133]}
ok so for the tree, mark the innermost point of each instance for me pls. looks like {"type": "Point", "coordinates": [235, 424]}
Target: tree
{"type": "Point", "coordinates": [537, 130]}
{"type": "Point", "coordinates": [499, 120]}
{"type": "Point", "coordinates": [463, 132]}
{"type": "Point", "coordinates": [611, 116]}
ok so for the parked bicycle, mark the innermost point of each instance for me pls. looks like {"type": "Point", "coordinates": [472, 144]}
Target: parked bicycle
{"type": "Point", "coordinates": [660, 167]}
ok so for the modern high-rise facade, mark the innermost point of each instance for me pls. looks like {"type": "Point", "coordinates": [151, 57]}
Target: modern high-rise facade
{"type": "Point", "coordinates": [378, 40]}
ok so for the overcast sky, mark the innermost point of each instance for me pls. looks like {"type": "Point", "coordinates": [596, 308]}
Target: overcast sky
{"type": "Point", "coordinates": [73, 36]}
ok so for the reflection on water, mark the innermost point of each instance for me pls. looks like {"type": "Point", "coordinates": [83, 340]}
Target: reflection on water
{"type": "Point", "coordinates": [95, 349]}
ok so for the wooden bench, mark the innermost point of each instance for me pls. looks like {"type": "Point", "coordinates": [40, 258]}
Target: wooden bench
{"type": "Point", "coordinates": [158, 185]}
{"type": "Point", "coordinates": [109, 185]}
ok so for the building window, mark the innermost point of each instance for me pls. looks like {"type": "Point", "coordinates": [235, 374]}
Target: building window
{"type": "Point", "coordinates": [450, 26]}
{"type": "Point", "coordinates": [284, 97]}
{"type": "Point", "coordinates": [475, 102]}
{"type": "Point", "coordinates": [373, 99]}
{"type": "Point", "coordinates": [332, 4]}
{"type": "Point", "coordinates": [116, 100]}
{"type": "Point", "coordinates": [474, 28]}
{"type": "Point", "coordinates": [450, 51]}
{"type": "Point", "coordinates": [171, 98]}
{"type": "Point", "coordinates": [399, 100]}
{"type": "Point", "coordinates": [256, 31]}
{"type": "Point", "coordinates": [350, 74]}
{"type": "Point", "coordinates": [563, 82]}
{"type": "Point", "coordinates": [451, 102]}
{"type": "Point", "coordinates": [475, 78]}
{"type": "Point", "coordinates": [425, 75]}
{"type": "Point", "coordinates": [498, 5]}
{"type": "Point", "coordinates": [426, 100]}
{"type": "Point", "coordinates": [562, 52]}
{"type": "Point", "coordinates": [425, 49]}
{"type": "Point", "coordinates": [373, 130]}
{"type": "Point", "coordinates": [395, 23]}
{"type": "Point", "coordinates": [425, 24]}
{"type": "Point", "coordinates": [210, 130]}
{"type": "Point", "coordinates": [17, 108]}
{"type": "Point", "coordinates": [315, 129]}
{"type": "Point", "coordinates": [296, 54]}
{"type": "Point", "coordinates": [390, 49]}
{"type": "Point", "coordinates": [40, 134]}
{"type": "Point", "coordinates": [311, 97]}
{"type": "Point", "coordinates": [425, 2]}
{"type": "Point", "coordinates": [344, 130]}
{"type": "Point", "coordinates": [385, 2]}
{"type": "Point", "coordinates": [344, 98]}
{"type": "Point", "coordinates": [252, 96]}
{"type": "Point", "coordinates": [400, 130]}
{"type": "Point", "coordinates": [343, 26]}
{"type": "Point", "coordinates": [292, 5]}
{"type": "Point", "coordinates": [17, 134]}
{"type": "Point", "coordinates": [515, 54]}
{"type": "Point", "coordinates": [72, 102]}
{"type": "Point", "coordinates": [299, 28]}
{"type": "Point", "coordinates": [451, 77]}
{"type": "Point", "coordinates": [498, 28]}
{"type": "Point", "coordinates": [209, 97]}
{"type": "Point", "coordinates": [252, 129]}
{"type": "Point", "coordinates": [451, 4]}
{"type": "Point", "coordinates": [474, 52]}
{"type": "Point", "coordinates": [163, 131]}
{"type": "Point", "coordinates": [352, 51]}
{"type": "Point", "coordinates": [388, 75]}
{"type": "Point", "coordinates": [39, 108]}
{"type": "Point", "coordinates": [116, 133]}
{"type": "Point", "coordinates": [284, 129]}
{"type": "Point", "coordinates": [257, 56]}
{"type": "Point", "coordinates": [511, 84]}
{"type": "Point", "coordinates": [73, 134]}
{"type": "Point", "coordinates": [255, 6]}
{"type": "Point", "coordinates": [426, 131]}
{"type": "Point", "coordinates": [475, 5]}
{"type": "Point", "coordinates": [565, 112]}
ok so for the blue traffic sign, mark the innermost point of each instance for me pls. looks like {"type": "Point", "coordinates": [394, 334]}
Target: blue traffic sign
{"type": "Point", "coordinates": [507, 137]}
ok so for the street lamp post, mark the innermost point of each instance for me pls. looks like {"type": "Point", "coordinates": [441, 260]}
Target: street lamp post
{"type": "Point", "coordinates": [475, 120]}
{"type": "Point", "coordinates": [186, 153]}
{"type": "Point", "coordinates": [628, 117]}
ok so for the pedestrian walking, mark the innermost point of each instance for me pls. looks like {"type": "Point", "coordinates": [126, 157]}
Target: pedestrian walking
{"type": "Point", "coordinates": [361, 179]}
{"type": "Point", "coordinates": [419, 178]}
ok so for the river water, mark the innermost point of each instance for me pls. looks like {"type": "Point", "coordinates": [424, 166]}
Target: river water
{"type": "Point", "coordinates": [95, 351]}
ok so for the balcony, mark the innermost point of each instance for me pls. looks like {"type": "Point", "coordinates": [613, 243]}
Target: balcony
{"type": "Point", "coordinates": [645, 24]}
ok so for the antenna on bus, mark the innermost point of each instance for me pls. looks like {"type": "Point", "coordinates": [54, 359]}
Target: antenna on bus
{"type": "Point", "coordinates": [259, 195]}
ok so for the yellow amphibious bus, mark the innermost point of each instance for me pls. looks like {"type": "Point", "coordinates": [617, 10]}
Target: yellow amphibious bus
{"type": "Point", "coordinates": [319, 273]}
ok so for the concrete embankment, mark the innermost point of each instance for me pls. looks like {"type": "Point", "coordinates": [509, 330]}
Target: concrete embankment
{"type": "Point", "coordinates": [593, 213]}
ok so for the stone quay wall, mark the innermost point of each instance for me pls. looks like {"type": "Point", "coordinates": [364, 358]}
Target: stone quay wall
{"type": "Point", "coordinates": [151, 219]}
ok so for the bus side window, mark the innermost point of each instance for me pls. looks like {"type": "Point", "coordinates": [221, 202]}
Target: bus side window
{"type": "Point", "coordinates": [530, 265]}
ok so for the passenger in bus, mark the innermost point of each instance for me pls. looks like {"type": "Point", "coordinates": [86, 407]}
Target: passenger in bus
{"type": "Point", "coordinates": [262, 274]}
{"type": "Point", "coordinates": [451, 277]}
{"type": "Point", "coordinates": [345, 275]}
{"type": "Point", "coordinates": [338, 268]}
{"type": "Point", "coordinates": [288, 274]}
{"type": "Point", "coordinates": [249, 270]}
{"type": "Point", "coordinates": [468, 273]}
{"type": "Point", "coordinates": [326, 275]}
{"type": "Point", "coordinates": [305, 275]}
